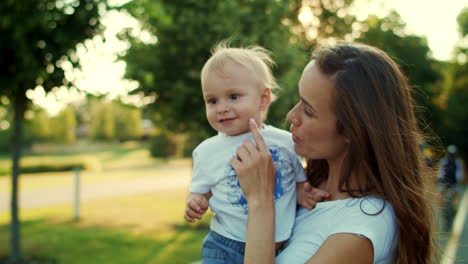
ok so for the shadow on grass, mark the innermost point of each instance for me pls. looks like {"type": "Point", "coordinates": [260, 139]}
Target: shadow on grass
{"type": "Point", "coordinates": [201, 226]}
{"type": "Point", "coordinates": [30, 260]}
{"type": "Point", "coordinates": [70, 243]}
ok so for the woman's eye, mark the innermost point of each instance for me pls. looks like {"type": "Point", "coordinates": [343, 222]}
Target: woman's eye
{"type": "Point", "coordinates": [308, 112]}
{"type": "Point", "coordinates": [235, 96]}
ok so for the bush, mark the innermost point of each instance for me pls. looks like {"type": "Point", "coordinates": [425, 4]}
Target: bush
{"type": "Point", "coordinates": [191, 142]}
{"type": "Point", "coordinates": [51, 164]}
{"type": "Point", "coordinates": [162, 146]}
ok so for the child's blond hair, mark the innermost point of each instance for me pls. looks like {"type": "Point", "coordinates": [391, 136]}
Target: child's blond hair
{"type": "Point", "coordinates": [255, 58]}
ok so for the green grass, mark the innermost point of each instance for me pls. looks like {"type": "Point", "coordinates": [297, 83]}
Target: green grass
{"type": "Point", "coordinates": [147, 229]}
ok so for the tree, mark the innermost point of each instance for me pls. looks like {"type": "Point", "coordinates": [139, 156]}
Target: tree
{"type": "Point", "coordinates": [114, 120]}
{"type": "Point", "coordinates": [412, 53]}
{"type": "Point", "coordinates": [32, 53]}
{"type": "Point", "coordinates": [456, 114]}
{"type": "Point", "coordinates": [170, 67]}
{"type": "Point", "coordinates": [5, 130]}
{"type": "Point", "coordinates": [39, 127]}
{"type": "Point", "coordinates": [102, 121]}
{"type": "Point", "coordinates": [64, 125]}
{"type": "Point", "coordinates": [129, 123]}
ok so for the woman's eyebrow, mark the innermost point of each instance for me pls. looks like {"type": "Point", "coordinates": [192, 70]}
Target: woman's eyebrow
{"type": "Point", "coordinates": [308, 104]}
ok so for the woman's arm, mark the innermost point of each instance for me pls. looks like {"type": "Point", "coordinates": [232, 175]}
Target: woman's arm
{"type": "Point", "coordinates": [344, 248]}
{"type": "Point", "coordinates": [256, 173]}
{"type": "Point", "coordinates": [260, 246]}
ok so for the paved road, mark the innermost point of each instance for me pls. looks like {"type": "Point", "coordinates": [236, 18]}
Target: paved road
{"type": "Point", "coordinates": [64, 194]}
{"type": "Point", "coordinates": [456, 248]}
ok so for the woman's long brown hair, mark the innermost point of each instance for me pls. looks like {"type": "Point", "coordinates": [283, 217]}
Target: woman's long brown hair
{"type": "Point", "coordinates": [375, 110]}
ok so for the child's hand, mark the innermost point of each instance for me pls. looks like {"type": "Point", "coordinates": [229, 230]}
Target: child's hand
{"type": "Point", "coordinates": [308, 196]}
{"type": "Point", "coordinates": [196, 206]}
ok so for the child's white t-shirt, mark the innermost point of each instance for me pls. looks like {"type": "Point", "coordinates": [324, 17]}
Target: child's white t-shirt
{"type": "Point", "coordinates": [370, 217]}
{"type": "Point", "coordinates": [213, 172]}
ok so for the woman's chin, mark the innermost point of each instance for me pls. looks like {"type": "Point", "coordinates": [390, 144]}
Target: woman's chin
{"type": "Point", "coordinates": [299, 151]}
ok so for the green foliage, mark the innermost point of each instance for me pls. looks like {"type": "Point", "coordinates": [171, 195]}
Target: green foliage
{"type": "Point", "coordinates": [59, 129]}
{"type": "Point", "coordinates": [191, 142]}
{"type": "Point", "coordinates": [412, 53]}
{"type": "Point", "coordinates": [170, 68]}
{"type": "Point", "coordinates": [65, 124]}
{"type": "Point", "coordinates": [52, 164]}
{"type": "Point", "coordinates": [128, 123]}
{"type": "Point", "coordinates": [162, 146]}
{"type": "Point", "coordinates": [458, 118]}
{"type": "Point", "coordinates": [462, 20]}
{"type": "Point", "coordinates": [114, 121]}
{"type": "Point", "coordinates": [102, 123]}
{"type": "Point", "coordinates": [33, 51]}
{"type": "Point", "coordinates": [5, 128]}
{"type": "Point", "coordinates": [39, 127]}
{"type": "Point", "coordinates": [456, 114]}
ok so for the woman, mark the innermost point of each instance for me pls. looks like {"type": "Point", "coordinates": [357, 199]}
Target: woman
{"type": "Point", "coordinates": [355, 124]}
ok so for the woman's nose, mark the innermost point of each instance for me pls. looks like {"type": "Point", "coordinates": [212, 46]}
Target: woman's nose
{"type": "Point", "coordinates": [291, 117]}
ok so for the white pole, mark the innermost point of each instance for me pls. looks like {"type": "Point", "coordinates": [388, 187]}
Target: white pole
{"type": "Point", "coordinates": [76, 211]}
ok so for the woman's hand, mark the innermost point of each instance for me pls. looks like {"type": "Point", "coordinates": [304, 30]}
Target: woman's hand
{"type": "Point", "coordinates": [254, 167]}
{"type": "Point", "coordinates": [256, 173]}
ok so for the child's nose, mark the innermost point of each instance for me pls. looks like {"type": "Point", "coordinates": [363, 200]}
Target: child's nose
{"type": "Point", "coordinates": [223, 107]}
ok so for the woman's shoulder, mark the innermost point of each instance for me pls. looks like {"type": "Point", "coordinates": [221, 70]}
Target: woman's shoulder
{"type": "Point", "coordinates": [369, 209]}
{"type": "Point", "coordinates": [375, 219]}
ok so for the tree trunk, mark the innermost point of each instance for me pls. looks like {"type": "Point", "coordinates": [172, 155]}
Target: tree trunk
{"type": "Point", "coordinates": [19, 106]}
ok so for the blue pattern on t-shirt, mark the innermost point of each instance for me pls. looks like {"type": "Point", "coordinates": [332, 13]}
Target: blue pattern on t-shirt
{"type": "Point", "coordinates": [236, 196]}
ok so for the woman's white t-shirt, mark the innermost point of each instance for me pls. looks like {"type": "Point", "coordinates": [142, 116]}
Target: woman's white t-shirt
{"type": "Point", "coordinates": [370, 217]}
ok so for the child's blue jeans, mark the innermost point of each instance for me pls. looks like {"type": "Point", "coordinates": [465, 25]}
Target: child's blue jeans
{"type": "Point", "coordinates": [218, 249]}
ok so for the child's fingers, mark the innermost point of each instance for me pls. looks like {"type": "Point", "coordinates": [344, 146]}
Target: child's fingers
{"type": "Point", "coordinates": [309, 204]}
{"type": "Point", "coordinates": [315, 193]}
{"type": "Point", "coordinates": [320, 195]}
{"type": "Point", "coordinates": [188, 218]}
{"type": "Point", "coordinates": [194, 205]}
{"type": "Point", "coordinates": [202, 204]}
{"type": "Point", "coordinates": [190, 213]}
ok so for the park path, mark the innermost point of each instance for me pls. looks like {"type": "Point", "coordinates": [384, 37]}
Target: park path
{"type": "Point", "coordinates": [59, 189]}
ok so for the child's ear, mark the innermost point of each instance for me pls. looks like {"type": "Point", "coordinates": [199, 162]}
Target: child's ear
{"type": "Point", "coordinates": [265, 99]}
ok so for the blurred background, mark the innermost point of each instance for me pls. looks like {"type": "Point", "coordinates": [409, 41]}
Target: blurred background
{"type": "Point", "coordinates": [101, 106]}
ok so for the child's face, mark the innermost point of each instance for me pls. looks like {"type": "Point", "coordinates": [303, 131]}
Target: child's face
{"type": "Point", "coordinates": [232, 98]}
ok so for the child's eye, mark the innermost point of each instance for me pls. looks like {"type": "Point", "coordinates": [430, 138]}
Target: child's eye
{"type": "Point", "coordinates": [235, 96]}
{"type": "Point", "coordinates": [211, 101]}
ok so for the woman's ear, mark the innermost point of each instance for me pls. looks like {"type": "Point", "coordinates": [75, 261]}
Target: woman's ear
{"type": "Point", "coordinates": [265, 99]}
{"type": "Point", "coordinates": [346, 139]}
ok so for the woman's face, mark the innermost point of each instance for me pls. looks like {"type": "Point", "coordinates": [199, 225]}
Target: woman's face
{"type": "Point", "coordinates": [313, 120]}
